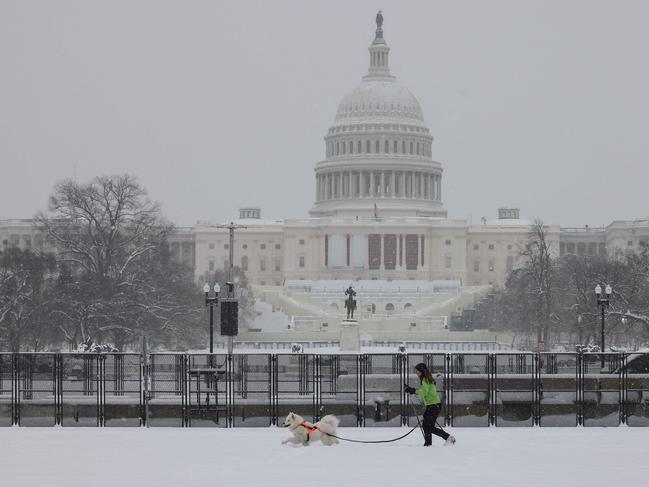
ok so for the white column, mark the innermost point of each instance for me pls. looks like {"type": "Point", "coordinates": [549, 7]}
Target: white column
{"type": "Point", "coordinates": [439, 188]}
{"type": "Point", "coordinates": [382, 190]}
{"type": "Point", "coordinates": [403, 185]}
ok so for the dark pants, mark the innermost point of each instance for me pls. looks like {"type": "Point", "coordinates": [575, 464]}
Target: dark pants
{"type": "Point", "coordinates": [430, 417]}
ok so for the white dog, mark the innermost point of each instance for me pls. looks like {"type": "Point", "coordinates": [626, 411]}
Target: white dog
{"type": "Point", "coordinates": [305, 433]}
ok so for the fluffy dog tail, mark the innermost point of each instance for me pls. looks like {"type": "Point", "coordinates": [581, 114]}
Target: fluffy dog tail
{"type": "Point", "coordinates": [330, 420]}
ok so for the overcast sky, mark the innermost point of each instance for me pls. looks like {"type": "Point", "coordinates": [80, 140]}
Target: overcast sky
{"type": "Point", "coordinates": [215, 105]}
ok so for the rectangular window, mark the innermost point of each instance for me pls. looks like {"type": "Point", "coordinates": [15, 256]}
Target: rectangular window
{"type": "Point", "coordinates": [412, 252]}
{"type": "Point", "coordinates": [301, 242]}
{"type": "Point", "coordinates": [390, 252]}
{"type": "Point", "coordinates": [226, 246]}
{"type": "Point", "coordinates": [278, 246]}
{"type": "Point", "coordinates": [476, 246]}
{"type": "Point", "coordinates": [422, 250]}
{"type": "Point", "coordinates": [278, 264]}
{"type": "Point", "coordinates": [226, 265]}
{"type": "Point", "coordinates": [301, 261]}
{"type": "Point", "coordinates": [262, 246]}
{"type": "Point", "coordinates": [491, 246]}
{"type": "Point", "coordinates": [262, 265]}
{"type": "Point", "coordinates": [476, 265]}
{"type": "Point", "coordinates": [492, 265]}
{"type": "Point", "coordinates": [448, 261]}
{"type": "Point", "coordinates": [448, 242]}
{"type": "Point", "coordinates": [211, 265]}
{"type": "Point", "coordinates": [211, 246]}
{"type": "Point", "coordinates": [374, 251]}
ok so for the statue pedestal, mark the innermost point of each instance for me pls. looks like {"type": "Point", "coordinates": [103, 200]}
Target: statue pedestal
{"type": "Point", "coordinates": [350, 340]}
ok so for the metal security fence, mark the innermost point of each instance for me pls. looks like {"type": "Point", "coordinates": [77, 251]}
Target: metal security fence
{"type": "Point", "coordinates": [260, 389]}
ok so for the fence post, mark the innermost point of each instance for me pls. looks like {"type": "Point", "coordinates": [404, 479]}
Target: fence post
{"type": "Point", "coordinates": [579, 385]}
{"type": "Point", "coordinates": [491, 384]}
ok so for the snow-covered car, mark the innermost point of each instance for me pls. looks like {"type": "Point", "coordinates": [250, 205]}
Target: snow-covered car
{"type": "Point", "coordinates": [636, 363]}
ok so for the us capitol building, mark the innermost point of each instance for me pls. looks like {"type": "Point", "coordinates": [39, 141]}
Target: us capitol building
{"type": "Point", "coordinates": [378, 221]}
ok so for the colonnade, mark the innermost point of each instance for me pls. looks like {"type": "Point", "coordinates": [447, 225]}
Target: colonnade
{"type": "Point", "coordinates": [379, 184]}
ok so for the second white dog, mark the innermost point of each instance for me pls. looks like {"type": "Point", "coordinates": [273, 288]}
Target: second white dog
{"type": "Point", "coordinates": [305, 433]}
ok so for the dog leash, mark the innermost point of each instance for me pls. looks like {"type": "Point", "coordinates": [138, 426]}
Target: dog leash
{"type": "Point", "coordinates": [376, 441]}
{"type": "Point", "coordinates": [393, 439]}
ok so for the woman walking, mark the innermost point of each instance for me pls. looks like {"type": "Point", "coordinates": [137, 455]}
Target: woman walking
{"type": "Point", "coordinates": [427, 391]}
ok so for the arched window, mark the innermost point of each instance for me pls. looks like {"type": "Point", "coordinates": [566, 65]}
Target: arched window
{"type": "Point", "coordinates": [407, 306]}
{"type": "Point", "coordinates": [376, 147]}
{"type": "Point", "coordinates": [333, 305]}
{"type": "Point", "coordinates": [418, 148]}
{"type": "Point", "coordinates": [244, 263]}
{"type": "Point", "coordinates": [344, 148]}
{"type": "Point", "coordinates": [403, 147]}
{"type": "Point", "coordinates": [351, 146]}
{"type": "Point", "coordinates": [410, 147]}
{"type": "Point", "coordinates": [359, 146]}
{"type": "Point", "coordinates": [387, 147]}
{"type": "Point", "coordinates": [389, 307]}
{"type": "Point", "coordinates": [395, 146]}
{"type": "Point", "coordinates": [367, 147]}
{"type": "Point", "coordinates": [337, 148]}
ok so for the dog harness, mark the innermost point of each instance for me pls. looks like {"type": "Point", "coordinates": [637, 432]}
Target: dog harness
{"type": "Point", "coordinates": [309, 429]}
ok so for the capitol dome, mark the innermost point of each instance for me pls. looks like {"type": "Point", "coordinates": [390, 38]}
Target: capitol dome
{"type": "Point", "coordinates": [379, 99]}
{"type": "Point", "coordinates": [378, 150]}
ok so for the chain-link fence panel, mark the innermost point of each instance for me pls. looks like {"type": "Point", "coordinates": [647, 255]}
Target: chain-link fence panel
{"type": "Point", "coordinates": [413, 406]}
{"type": "Point", "coordinates": [7, 392]}
{"type": "Point", "coordinates": [341, 388]}
{"type": "Point", "coordinates": [559, 383]}
{"type": "Point", "coordinates": [79, 389]}
{"type": "Point", "coordinates": [383, 381]}
{"type": "Point", "coordinates": [470, 389]}
{"type": "Point", "coordinates": [36, 389]}
{"type": "Point", "coordinates": [603, 389]}
{"type": "Point", "coordinates": [514, 392]}
{"type": "Point", "coordinates": [295, 386]}
{"type": "Point", "coordinates": [635, 372]}
{"type": "Point", "coordinates": [122, 390]}
{"type": "Point", "coordinates": [253, 405]}
{"type": "Point", "coordinates": [210, 383]}
{"type": "Point", "coordinates": [163, 388]}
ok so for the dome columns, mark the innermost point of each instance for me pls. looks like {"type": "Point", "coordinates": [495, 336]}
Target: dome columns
{"type": "Point", "coordinates": [346, 184]}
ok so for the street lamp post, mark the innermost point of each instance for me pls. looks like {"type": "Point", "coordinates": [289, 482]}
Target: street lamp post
{"type": "Point", "coordinates": [211, 301]}
{"type": "Point", "coordinates": [603, 303]}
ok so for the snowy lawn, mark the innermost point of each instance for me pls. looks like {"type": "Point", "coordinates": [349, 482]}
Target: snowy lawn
{"type": "Point", "coordinates": [254, 457]}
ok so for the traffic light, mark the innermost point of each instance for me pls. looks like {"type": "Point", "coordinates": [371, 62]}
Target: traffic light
{"type": "Point", "coordinates": [229, 317]}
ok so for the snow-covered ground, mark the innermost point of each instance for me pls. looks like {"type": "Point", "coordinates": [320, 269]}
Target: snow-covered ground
{"type": "Point", "coordinates": [532, 457]}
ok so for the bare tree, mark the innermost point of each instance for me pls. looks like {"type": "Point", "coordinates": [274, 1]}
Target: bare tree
{"type": "Point", "coordinates": [112, 240]}
{"type": "Point", "coordinates": [23, 280]}
{"type": "Point", "coordinates": [540, 267]}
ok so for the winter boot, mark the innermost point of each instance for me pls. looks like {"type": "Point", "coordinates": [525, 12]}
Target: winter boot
{"type": "Point", "coordinates": [428, 439]}
{"type": "Point", "coordinates": [450, 440]}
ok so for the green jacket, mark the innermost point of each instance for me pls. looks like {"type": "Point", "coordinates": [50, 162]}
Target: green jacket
{"type": "Point", "coordinates": [427, 391]}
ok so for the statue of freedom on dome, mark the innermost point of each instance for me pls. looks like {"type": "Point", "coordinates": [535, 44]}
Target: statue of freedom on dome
{"type": "Point", "coordinates": [379, 20]}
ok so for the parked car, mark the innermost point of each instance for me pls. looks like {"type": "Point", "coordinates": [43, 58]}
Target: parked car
{"type": "Point", "coordinates": [636, 363]}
